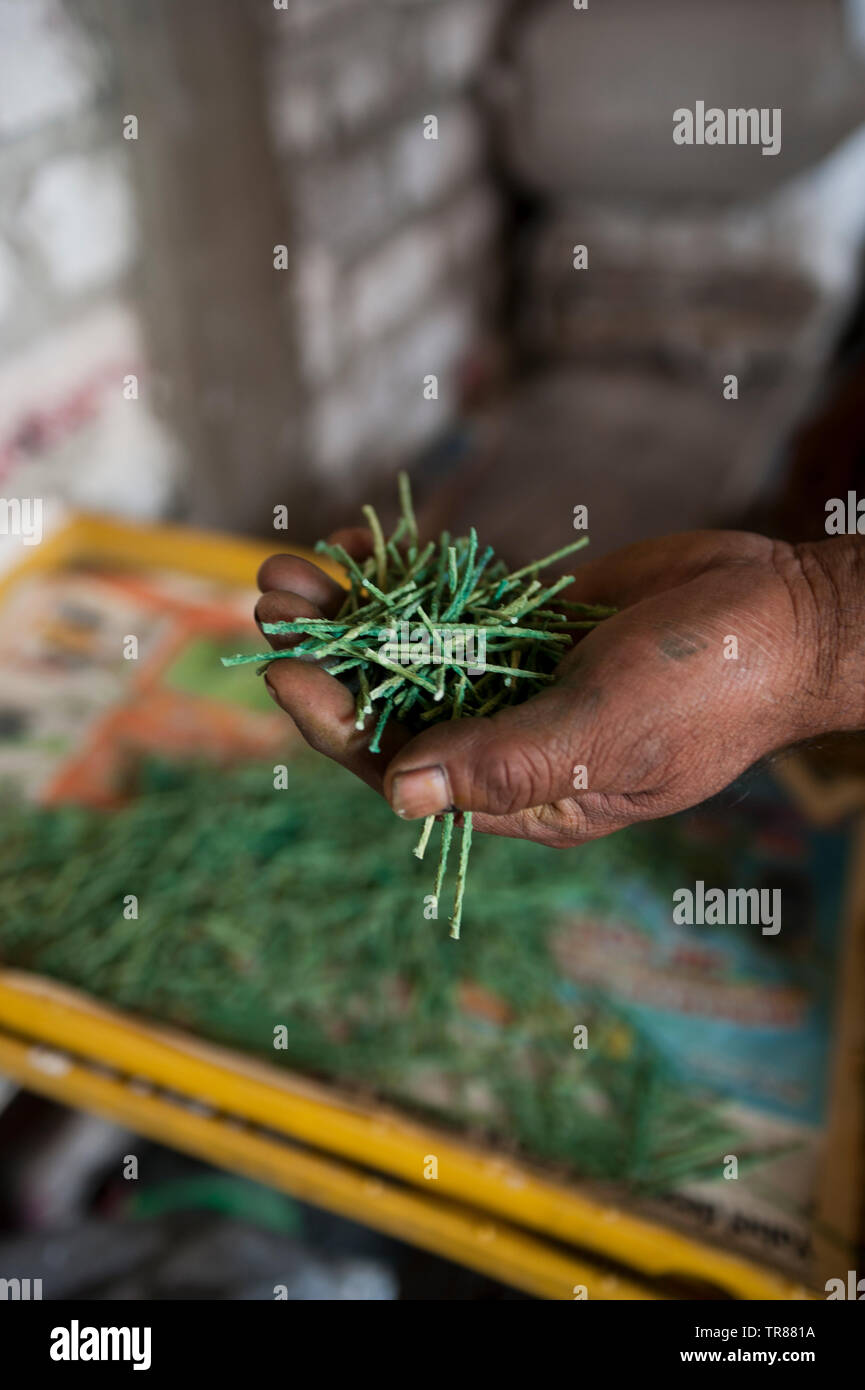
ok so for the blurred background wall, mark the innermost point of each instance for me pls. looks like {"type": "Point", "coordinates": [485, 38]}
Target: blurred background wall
{"type": "Point", "coordinates": [70, 324]}
{"type": "Point", "coordinates": [238, 238]}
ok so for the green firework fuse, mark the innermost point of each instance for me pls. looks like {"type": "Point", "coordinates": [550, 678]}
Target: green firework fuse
{"type": "Point", "coordinates": [258, 910]}
{"type": "Point", "coordinates": [435, 632]}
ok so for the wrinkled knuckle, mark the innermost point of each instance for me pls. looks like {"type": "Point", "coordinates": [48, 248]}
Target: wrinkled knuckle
{"type": "Point", "coordinates": [817, 609]}
{"type": "Point", "coordinates": [560, 824]}
{"type": "Point", "coordinates": [501, 782]}
{"type": "Point", "coordinates": [514, 777]}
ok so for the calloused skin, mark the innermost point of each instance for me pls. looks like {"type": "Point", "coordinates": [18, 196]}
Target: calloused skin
{"type": "Point", "coordinates": [653, 703]}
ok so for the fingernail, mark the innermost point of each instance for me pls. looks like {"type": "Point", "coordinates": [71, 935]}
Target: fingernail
{"type": "Point", "coordinates": [422, 792]}
{"type": "Point", "coordinates": [270, 690]}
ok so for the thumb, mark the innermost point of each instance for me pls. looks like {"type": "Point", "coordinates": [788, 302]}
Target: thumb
{"type": "Point", "coordinates": [514, 760]}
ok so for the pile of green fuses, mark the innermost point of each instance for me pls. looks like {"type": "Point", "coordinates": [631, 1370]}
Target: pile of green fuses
{"type": "Point", "coordinates": [433, 632]}
{"type": "Point", "coordinates": [261, 910]}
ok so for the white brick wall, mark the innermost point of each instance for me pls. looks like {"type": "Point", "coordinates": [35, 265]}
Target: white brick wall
{"type": "Point", "coordinates": [343, 312]}
{"type": "Point", "coordinates": [66, 430]}
{"type": "Point", "coordinates": [48, 70]}
{"type": "Point", "coordinates": [371, 63]}
{"type": "Point", "coordinates": [377, 412]}
{"type": "Point", "coordinates": [77, 215]}
{"type": "Point", "coordinates": [301, 16]}
{"type": "Point", "coordinates": [347, 201]}
{"type": "Point", "coordinates": [68, 333]}
{"type": "Point", "coordinates": [8, 274]}
{"type": "Point", "coordinates": [392, 232]}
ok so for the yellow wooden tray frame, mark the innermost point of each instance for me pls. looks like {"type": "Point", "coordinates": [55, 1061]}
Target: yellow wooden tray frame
{"type": "Point", "coordinates": [507, 1219]}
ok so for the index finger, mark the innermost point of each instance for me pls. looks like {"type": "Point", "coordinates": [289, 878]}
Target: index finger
{"type": "Point", "coordinates": [292, 574]}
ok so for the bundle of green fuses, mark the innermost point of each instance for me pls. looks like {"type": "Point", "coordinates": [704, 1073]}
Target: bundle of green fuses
{"type": "Point", "coordinates": [434, 632]}
{"type": "Point", "coordinates": [285, 923]}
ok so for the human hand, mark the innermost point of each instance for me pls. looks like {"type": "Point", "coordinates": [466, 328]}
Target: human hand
{"type": "Point", "coordinates": [727, 646]}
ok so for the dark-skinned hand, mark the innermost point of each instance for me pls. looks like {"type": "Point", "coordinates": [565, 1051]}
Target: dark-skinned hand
{"type": "Point", "coordinates": [726, 647]}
